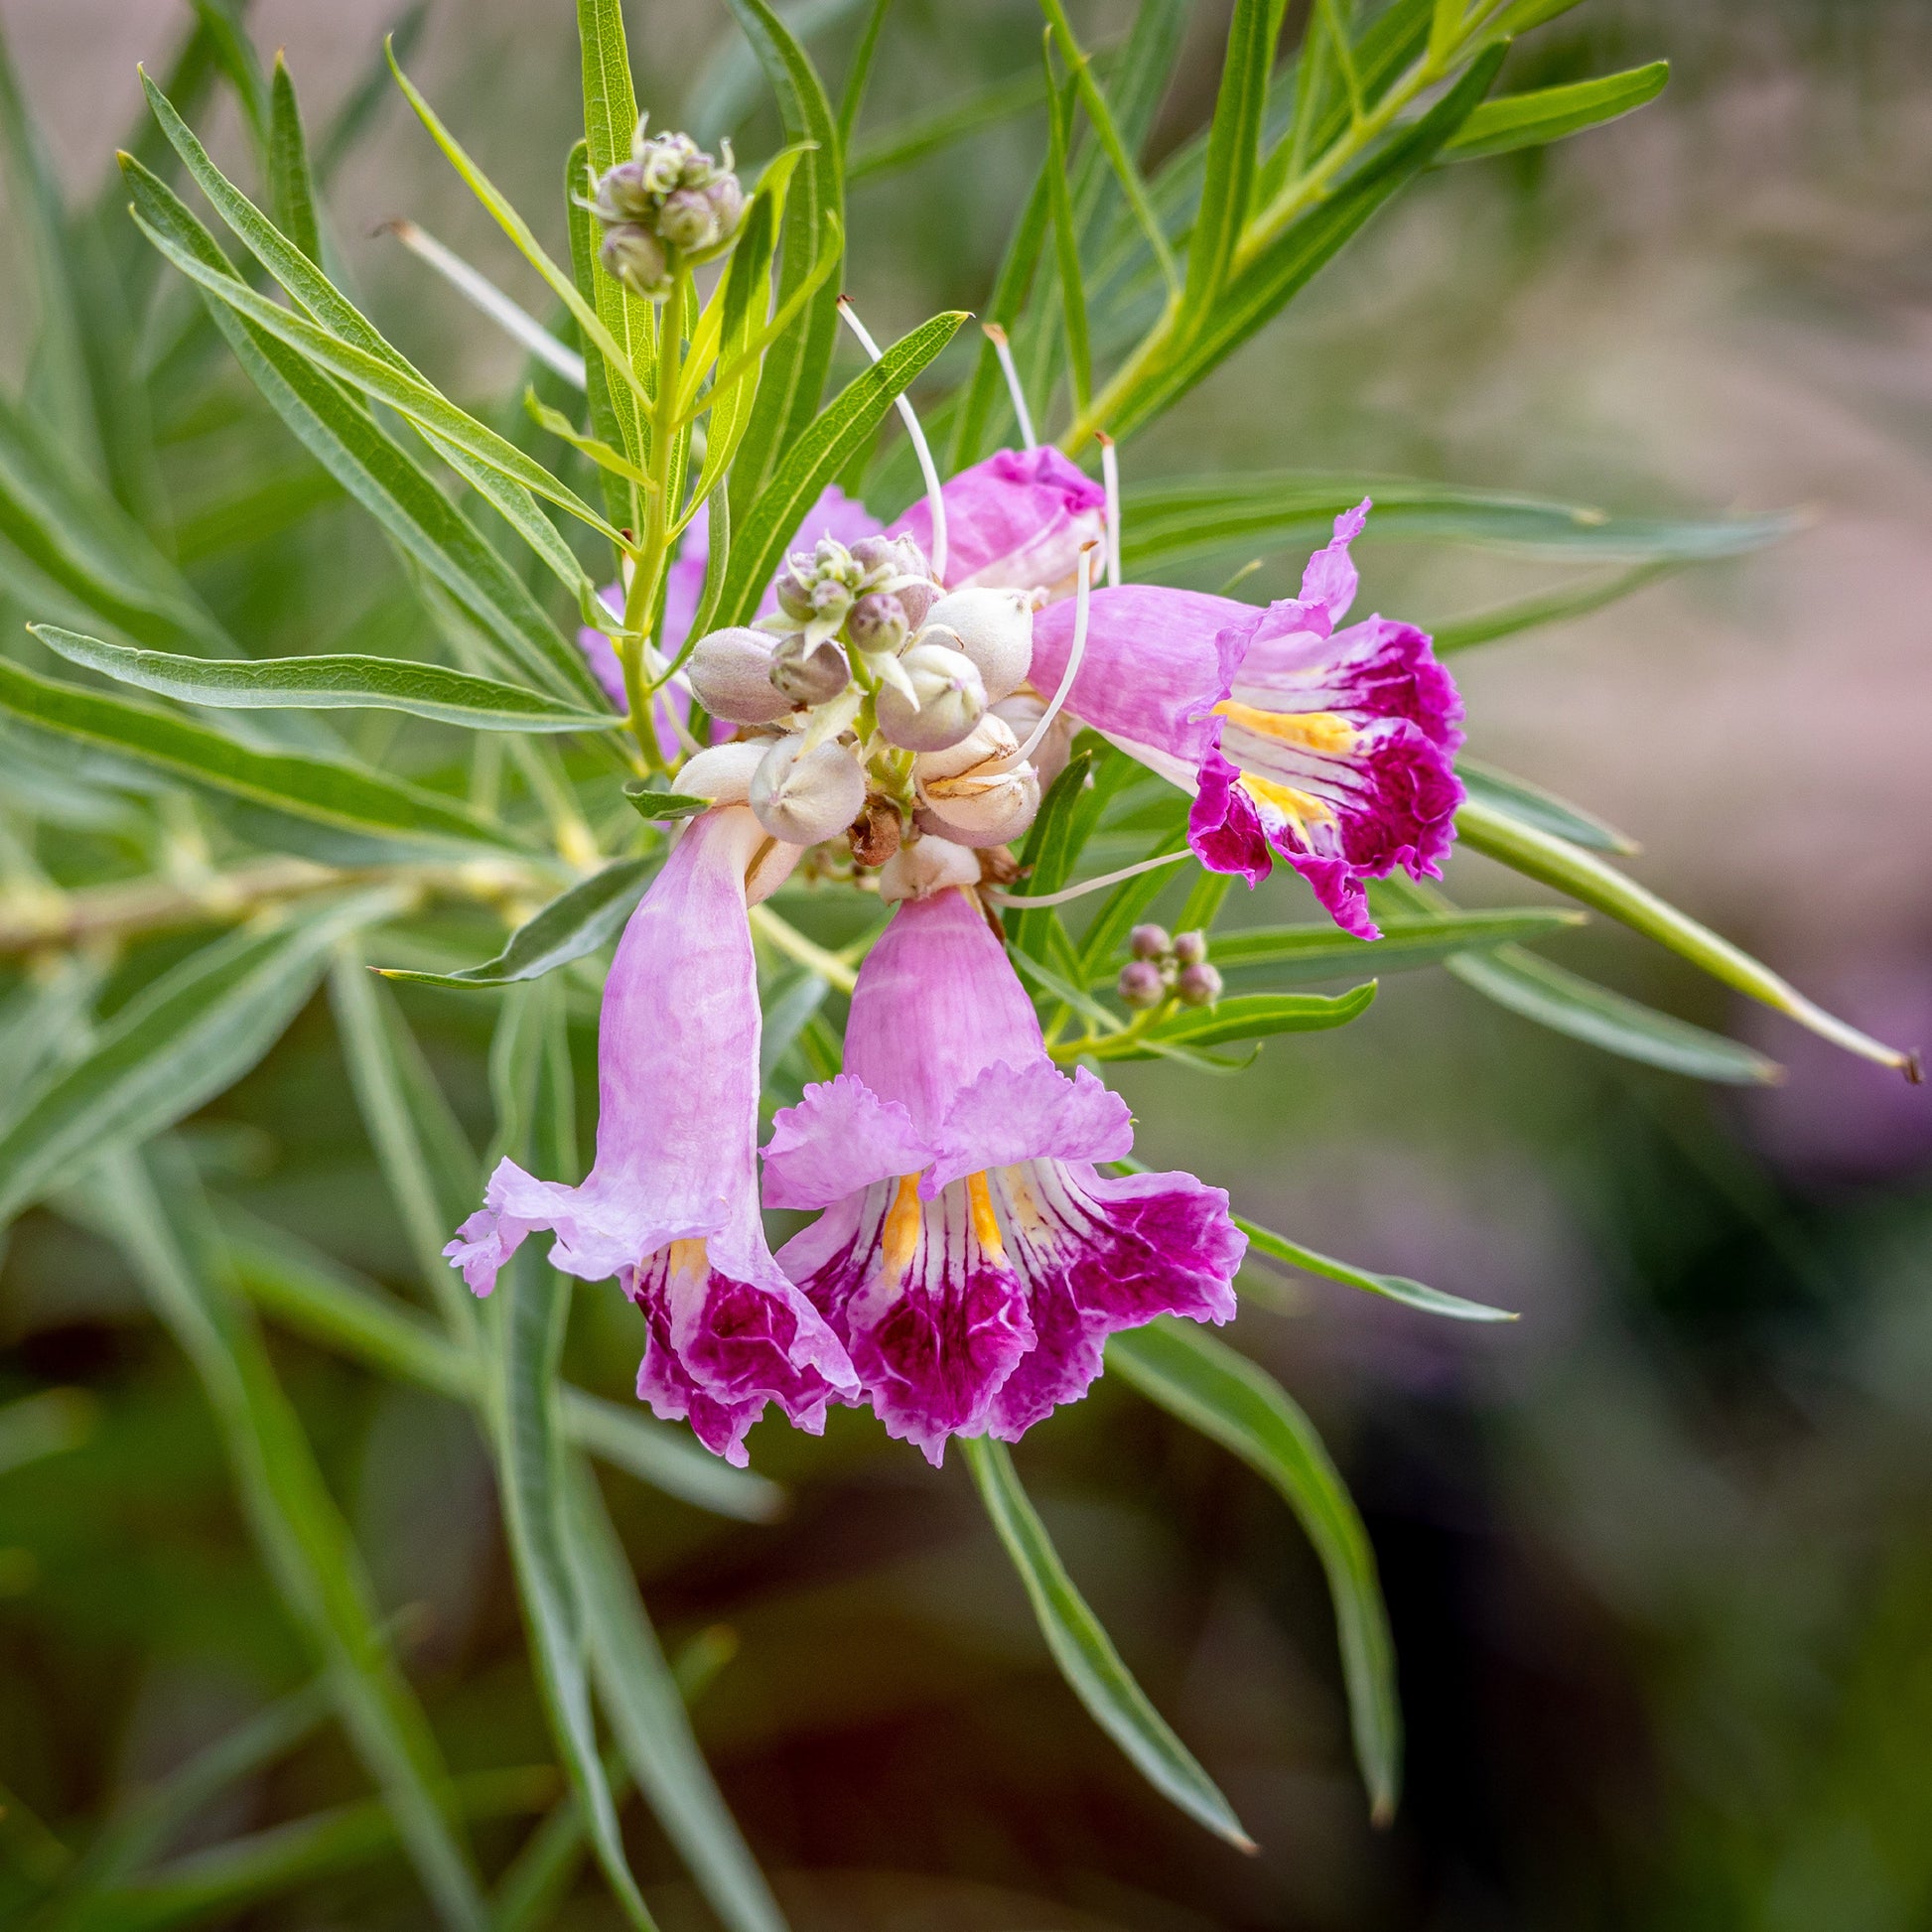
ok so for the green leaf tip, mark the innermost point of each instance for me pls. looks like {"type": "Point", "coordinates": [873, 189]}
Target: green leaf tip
{"type": "Point", "coordinates": [652, 804]}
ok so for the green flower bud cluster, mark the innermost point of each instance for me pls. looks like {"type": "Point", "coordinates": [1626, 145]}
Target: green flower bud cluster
{"type": "Point", "coordinates": [669, 206]}
{"type": "Point", "coordinates": [1162, 967]}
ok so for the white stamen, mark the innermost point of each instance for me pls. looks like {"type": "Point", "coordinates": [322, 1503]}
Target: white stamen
{"type": "Point", "coordinates": [926, 465]}
{"type": "Point", "coordinates": [491, 300]}
{"type": "Point", "coordinates": [1110, 477]}
{"type": "Point", "coordinates": [1078, 650]}
{"type": "Point", "coordinates": [997, 335]}
{"type": "Point", "coordinates": [1087, 885]}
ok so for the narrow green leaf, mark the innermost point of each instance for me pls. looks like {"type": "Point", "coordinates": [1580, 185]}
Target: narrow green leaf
{"type": "Point", "coordinates": [1529, 120]}
{"type": "Point", "coordinates": [234, 54]}
{"type": "Point", "coordinates": [1233, 154]}
{"type": "Point", "coordinates": [190, 1035]}
{"type": "Point", "coordinates": [640, 1698]}
{"type": "Point", "coordinates": [983, 401]}
{"type": "Point", "coordinates": [151, 1207]}
{"type": "Point", "coordinates": [1169, 523]}
{"type": "Point", "coordinates": [609, 93]}
{"type": "Point", "coordinates": [574, 924]}
{"type": "Point", "coordinates": [416, 516]}
{"type": "Point", "coordinates": [919, 135]}
{"type": "Point", "coordinates": [1248, 1015]}
{"type": "Point", "coordinates": [647, 802]}
{"type": "Point", "coordinates": [330, 791]}
{"type": "Point", "coordinates": [1047, 859]}
{"type": "Point", "coordinates": [1085, 1653]}
{"type": "Point", "coordinates": [326, 683]}
{"type": "Point", "coordinates": [292, 191]}
{"type": "Point", "coordinates": [1066, 239]}
{"type": "Point", "coordinates": [1556, 861]}
{"type": "Point", "coordinates": [1213, 1389]}
{"type": "Point", "coordinates": [615, 418]}
{"type": "Point", "coordinates": [816, 455]}
{"type": "Point", "coordinates": [1553, 606]}
{"type": "Point", "coordinates": [532, 1305]}
{"type": "Point", "coordinates": [1519, 799]}
{"type": "Point", "coordinates": [795, 367]}
{"type": "Point", "coordinates": [856, 75]}
{"type": "Point", "coordinates": [1297, 953]}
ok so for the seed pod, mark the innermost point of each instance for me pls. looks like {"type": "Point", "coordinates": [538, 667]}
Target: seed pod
{"type": "Point", "coordinates": [721, 772]}
{"type": "Point", "coordinates": [925, 866]}
{"type": "Point", "coordinates": [1199, 985]}
{"type": "Point", "coordinates": [995, 628]}
{"type": "Point", "coordinates": [805, 674]}
{"type": "Point", "coordinates": [1141, 985]}
{"type": "Point", "coordinates": [805, 798]}
{"type": "Point", "coordinates": [951, 700]}
{"type": "Point", "coordinates": [637, 259]}
{"type": "Point", "coordinates": [688, 220]}
{"type": "Point", "coordinates": [878, 622]}
{"type": "Point", "coordinates": [1149, 942]}
{"type": "Point", "coordinates": [968, 797]}
{"type": "Point", "coordinates": [876, 833]}
{"type": "Point", "coordinates": [731, 676]}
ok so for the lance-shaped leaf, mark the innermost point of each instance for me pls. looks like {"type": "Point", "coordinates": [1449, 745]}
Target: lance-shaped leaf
{"type": "Point", "coordinates": [1550, 607]}
{"type": "Point", "coordinates": [1545, 115]}
{"type": "Point", "coordinates": [816, 457]}
{"type": "Point", "coordinates": [190, 1035]}
{"type": "Point", "coordinates": [291, 186]}
{"type": "Point", "coordinates": [1165, 524]}
{"type": "Point", "coordinates": [1299, 953]}
{"type": "Point", "coordinates": [795, 367]}
{"type": "Point", "coordinates": [151, 1207]}
{"type": "Point", "coordinates": [574, 924]}
{"type": "Point", "coordinates": [314, 1297]}
{"type": "Point", "coordinates": [1518, 798]}
{"type": "Point", "coordinates": [1556, 861]}
{"type": "Point", "coordinates": [332, 791]}
{"type": "Point", "coordinates": [1233, 153]}
{"type": "Point", "coordinates": [920, 135]}
{"type": "Point", "coordinates": [1046, 860]}
{"type": "Point", "coordinates": [640, 1698]}
{"type": "Point", "coordinates": [346, 682]}
{"type": "Point", "coordinates": [1245, 1015]}
{"type": "Point", "coordinates": [1213, 1389]}
{"type": "Point", "coordinates": [531, 1307]}
{"type": "Point", "coordinates": [1085, 1653]}
{"type": "Point", "coordinates": [1396, 1287]}
{"type": "Point", "coordinates": [1262, 285]}
{"type": "Point", "coordinates": [404, 500]}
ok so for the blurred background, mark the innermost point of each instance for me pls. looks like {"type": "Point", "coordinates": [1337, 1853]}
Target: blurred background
{"type": "Point", "coordinates": [1659, 1556]}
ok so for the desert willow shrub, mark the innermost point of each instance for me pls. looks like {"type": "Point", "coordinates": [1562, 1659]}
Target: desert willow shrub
{"type": "Point", "coordinates": [728, 657]}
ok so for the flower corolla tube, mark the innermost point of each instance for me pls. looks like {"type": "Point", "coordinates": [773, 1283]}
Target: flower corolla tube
{"type": "Point", "coordinates": [972, 1259]}
{"type": "Point", "coordinates": [670, 1207]}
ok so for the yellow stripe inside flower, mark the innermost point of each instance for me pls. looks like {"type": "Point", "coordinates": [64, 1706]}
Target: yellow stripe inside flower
{"type": "Point", "coordinates": [1297, 807]}
{"type": "Point", "coordinates": [689, 1262]}
{"type": "Point", "coordinates": [1310, 731]}
{"type": "Point", "coordinates": [984, 1223]}
{"type": "Point", "coordinates": [901, 1235]}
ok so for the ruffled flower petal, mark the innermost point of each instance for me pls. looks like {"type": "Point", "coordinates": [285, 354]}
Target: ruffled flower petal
{"type": "Point", "coordinates": [1029, 1113]}
{"type": "Point", "coordinates": [840, 1137]}
{"type": "Point", "coordinates": [1017, 521]}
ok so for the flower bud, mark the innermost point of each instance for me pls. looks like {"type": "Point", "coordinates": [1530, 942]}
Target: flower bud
{"type": "Point", "coordinates": [688, 220]}
{"type": "Point", "coordinates": [1141, 985]}
{"type": "Point", "coordinates": [1023, 711]}
{"type": "Point", "coordinates": [925, 866]}
{"type": "Point", "coordinates": [830, 601]}
{"type": "Point", "coordinates": [1198, 984]}
{"type": "Point", "coordinates": [1190, 948]}
{"type": "Point", "coordinates": [995, 628]}
{"type": "Point", "coordinates": [878, 622]}
{"type": "Point", "coordinates": [721, 772]}
{"type": "Point", "coordinates": [623, 194]}
{"type": "Point", "coordinates": [805, 798]}
{"type": "Point", "coordinates": [898, 564]}
{"type": "Point", "coordinates": [808, 675]}
{"type": "Point", "coordinates": [794, 593]}
{"type": "Point", "coordinates": [1149, 942]}
{"type": "Point", "coordinates": [727, 200]}
{"type": "Point", "coordinates": [637, 259]}
{"type": "Point", "coordinates": [731, 676]}
{"type": "Point", "coordinates": [951, 700]}
{"type": "Point", "coordinates": [966, 794]}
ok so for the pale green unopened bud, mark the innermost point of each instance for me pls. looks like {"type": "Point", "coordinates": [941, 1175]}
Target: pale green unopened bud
{"type": "Point", "coordinates": [947, 700]}
{"type": "Point", "coordinates": [688, 220]}
{"type": "Point", "coordinates": [878, 622]}
{"type": "Point", "coordinates": [637, 259]}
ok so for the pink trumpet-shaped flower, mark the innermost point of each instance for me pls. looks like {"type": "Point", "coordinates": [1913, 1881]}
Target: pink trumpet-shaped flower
{"type": "Point", "coordinates": [1332, 747]}
{"type": "Point", "coordinates": [671, 1207]}
{"type": "Point", "coordinates": [1017, 521]}
{"type": "Point", "coordinates": [972, 1260]}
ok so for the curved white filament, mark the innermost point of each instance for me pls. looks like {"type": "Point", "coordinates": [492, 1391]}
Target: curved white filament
{"type": "Point", "coordinates": [1110, 481]}
{"type": "Point", "coordinates": [1082, 597]}
{"type": "Point", "coordinates": [997, 335]}
{"type": "Point", "coordinates": [927, 469]}
{"type": "Point", "coordinates": [491, 300]}
{"type": "Point", "coordinates": [1087, 885]}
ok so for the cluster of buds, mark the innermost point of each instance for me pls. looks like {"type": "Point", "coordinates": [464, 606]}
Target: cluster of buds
{"type": "Point", "coordinates": [1161, 968]}
{"type": "Point", "coordinates": [669, 206]}
{"type": "Point", "coordinates": [872, 689]}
